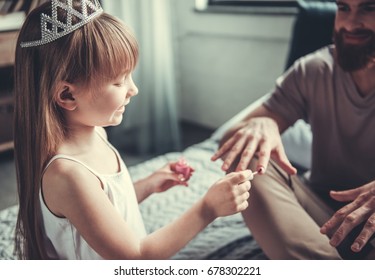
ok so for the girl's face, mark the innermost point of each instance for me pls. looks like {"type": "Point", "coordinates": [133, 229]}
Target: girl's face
{"type": "Point", "coordinates": [105, 105]}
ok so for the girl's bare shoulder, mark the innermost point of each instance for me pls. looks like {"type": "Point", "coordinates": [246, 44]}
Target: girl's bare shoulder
{"type": "Point", "coordinates": [65, 181]}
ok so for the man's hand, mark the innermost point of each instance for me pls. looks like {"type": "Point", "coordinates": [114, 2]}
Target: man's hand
{"type": "Point", "coordinates": [361, 209]}
{"type": "Point", "coordinates": [258, 136]}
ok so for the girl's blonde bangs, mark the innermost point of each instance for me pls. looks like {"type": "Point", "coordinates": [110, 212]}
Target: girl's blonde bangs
{"type": "Point", "coordinates": [111, 50]}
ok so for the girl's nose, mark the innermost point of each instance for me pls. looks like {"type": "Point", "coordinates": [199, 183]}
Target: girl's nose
{"type": "Point", "coordinates": [133, 89]}
{"type": "Point", "coordinates": [133, 92]}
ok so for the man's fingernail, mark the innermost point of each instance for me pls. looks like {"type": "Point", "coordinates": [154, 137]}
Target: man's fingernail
{"type": "Point", "coordinates": [355, 247]}
{"type": "Point", "coordinates": [333, 242]}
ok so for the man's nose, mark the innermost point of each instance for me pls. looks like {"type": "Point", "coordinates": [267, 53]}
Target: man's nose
{"type": "Point", "coordinates": [353, 22]}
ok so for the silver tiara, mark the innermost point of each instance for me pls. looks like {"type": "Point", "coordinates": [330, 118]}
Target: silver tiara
{"type": "Point", "coordinates": [53, 29]}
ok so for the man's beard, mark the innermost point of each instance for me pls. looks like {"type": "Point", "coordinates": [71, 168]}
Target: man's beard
{"type": "Point", "coordinates": [354, 57]}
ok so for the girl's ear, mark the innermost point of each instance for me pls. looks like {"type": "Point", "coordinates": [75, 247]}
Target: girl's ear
{"type": "Point", "coordinates": [64, 96]}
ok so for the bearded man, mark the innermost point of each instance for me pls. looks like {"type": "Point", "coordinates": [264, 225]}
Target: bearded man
{"type": "Point", "coordinates": [330, 214]}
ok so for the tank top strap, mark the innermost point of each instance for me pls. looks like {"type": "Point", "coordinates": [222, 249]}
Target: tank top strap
{"type": "Point", "coordinates": [119, 159]}
{"type": "Point", "coordinates": [61, 156]}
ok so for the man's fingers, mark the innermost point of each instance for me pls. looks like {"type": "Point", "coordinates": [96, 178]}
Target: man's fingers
{"type": "Point", "coordinates": [336, 220]}
{"type": "Point", "coordinates": [345, 220]}
{"type": "Point", "coordinates": [233, 153]}
{"type": "Point", "coordinates": [348, 195]}
{"type": "Point", "coordinates": [343, 230]}
{"type": "Point", "coordinates": [264, 155]}
{"type": "Point", "coordinates": [231, 144]}
{"type": "Point", "coordinates": [224, 148]}
{"type": "Point", "coordinates": [365, 235]}
{"type": "Point", "coordinates": [247, 155]}
{"type": "Point", "coordinates": [280, 157]}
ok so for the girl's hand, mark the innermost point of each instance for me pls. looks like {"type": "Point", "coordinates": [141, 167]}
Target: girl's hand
{"type": "Point", "coordinates": [229, 195]}
{"type": "Point", "coordinates": [162, 180]}
{"type": "Point", "coordinates": [182, 167]}
{"type": "Point", "coordinates": [360, 209]}
{"type": "Point", "coordinates": [167, 177]}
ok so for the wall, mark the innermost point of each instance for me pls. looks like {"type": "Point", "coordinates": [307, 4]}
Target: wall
{"type": "Point", "coordinates": [226, 60]}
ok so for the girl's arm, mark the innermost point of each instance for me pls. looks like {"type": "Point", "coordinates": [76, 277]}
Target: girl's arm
{"type": "Point", "coordinates": [142, 189]}
{"type": "Point", "coordinates": [226, 197]}
{"type": "Point", "coordinates": [76, 194]}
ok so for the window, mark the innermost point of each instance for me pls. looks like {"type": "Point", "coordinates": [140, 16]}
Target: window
{"type": "Point", "coordinates": [274, 7]}
{"type": "Point", "coordinates": [264, 3]}
{"type": "Point", "coordinates": [261, 3]}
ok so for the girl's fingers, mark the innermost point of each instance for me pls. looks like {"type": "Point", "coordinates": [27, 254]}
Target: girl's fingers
{"type": "Point", "coordinates": [237, 178]}
{"type": "Point", "coordinates": [243, 206]}
{"type": "Point", "coordinates": [243, 197]}
{"type": "Point", "coordinates": [242, 188]}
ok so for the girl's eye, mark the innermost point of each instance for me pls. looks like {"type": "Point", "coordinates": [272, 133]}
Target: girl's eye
{"type": "Point", "coordinates": [121, 82]}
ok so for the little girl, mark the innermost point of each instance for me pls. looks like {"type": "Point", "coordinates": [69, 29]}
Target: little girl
{"type": "Point", "coordinates": [73, 77]}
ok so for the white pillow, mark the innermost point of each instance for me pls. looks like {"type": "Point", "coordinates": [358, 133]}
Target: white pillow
{"type": "Point", "coordinates": [297, 143]}
{"type": "Point", "coordinates": [297, 139]}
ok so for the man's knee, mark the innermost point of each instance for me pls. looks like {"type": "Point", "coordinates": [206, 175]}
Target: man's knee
{"type": "Point", "coordinates": [301, 249]}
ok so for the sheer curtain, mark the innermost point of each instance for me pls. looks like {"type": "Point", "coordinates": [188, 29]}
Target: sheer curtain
{"type": "Point", "coordinates": [150, 122]}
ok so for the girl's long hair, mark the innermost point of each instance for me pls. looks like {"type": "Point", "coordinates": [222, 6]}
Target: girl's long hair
{"type": "Point", "coordinates": [100, 50]}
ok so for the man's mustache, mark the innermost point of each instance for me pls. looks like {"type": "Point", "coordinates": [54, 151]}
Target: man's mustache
{"type": "Point", "coordinates": [356, 32]}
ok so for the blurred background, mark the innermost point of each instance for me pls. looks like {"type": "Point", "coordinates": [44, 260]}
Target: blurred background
{"type": "Point", "coordinates": [201, 62]}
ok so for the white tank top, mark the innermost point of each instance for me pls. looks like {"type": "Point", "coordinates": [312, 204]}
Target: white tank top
{"type": "Point", "coordinates": [63, 241]}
